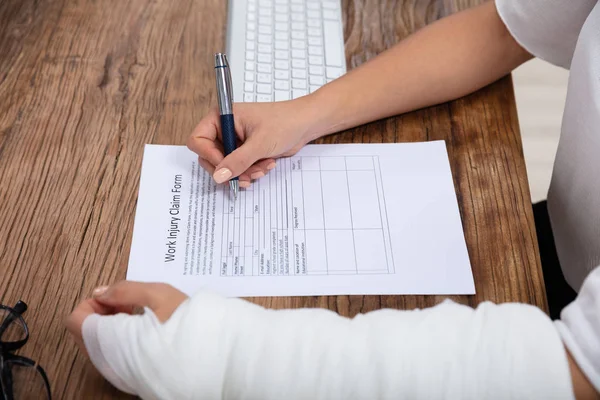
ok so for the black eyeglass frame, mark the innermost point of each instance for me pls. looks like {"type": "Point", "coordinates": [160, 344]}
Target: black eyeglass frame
{"type": "Point", "coordinates": [14, 314]}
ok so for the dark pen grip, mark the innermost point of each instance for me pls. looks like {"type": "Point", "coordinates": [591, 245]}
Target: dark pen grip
{"type": "Point", "coordinates": [228, 134]}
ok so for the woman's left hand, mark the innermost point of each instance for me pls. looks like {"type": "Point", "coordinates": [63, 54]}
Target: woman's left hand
{"type": "Point", "coordinates": [125, 296]}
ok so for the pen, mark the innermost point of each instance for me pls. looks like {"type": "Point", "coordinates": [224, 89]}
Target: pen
{"type": "Point", "coordinates": [225, 95]}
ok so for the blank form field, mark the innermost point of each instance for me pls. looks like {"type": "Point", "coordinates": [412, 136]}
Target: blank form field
{"type": "Point", "coordinates": [364, 200]}
{"type": "Point", "coordinates": [313, 202]}
{"type": "Point", "coordinates": [340, 251]}
{"type": "Point", "coordinates": [336, 206]}
{"type": "Point", "coordinates": [370, 251]}
{"type": "Point", "coordinates": [316, 254]}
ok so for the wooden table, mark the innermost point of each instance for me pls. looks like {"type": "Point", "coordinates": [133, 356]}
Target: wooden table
{"type": "Point", "coordinates": [85, 84]}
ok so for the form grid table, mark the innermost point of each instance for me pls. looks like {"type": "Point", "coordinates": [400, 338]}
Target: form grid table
{"type": "Point", "coordinates": [273, 229]}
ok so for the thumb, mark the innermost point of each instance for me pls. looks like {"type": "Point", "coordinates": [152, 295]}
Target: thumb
{"type": "Point", "coordinates": [161, 298]}
{"type": "Point", "coordinates": [129, 294]}
{"type": "Point", "coordinates": [239, 161]}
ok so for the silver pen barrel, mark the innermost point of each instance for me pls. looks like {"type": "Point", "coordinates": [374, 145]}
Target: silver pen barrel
{"type": "Point", "coordinates": [224, 85]}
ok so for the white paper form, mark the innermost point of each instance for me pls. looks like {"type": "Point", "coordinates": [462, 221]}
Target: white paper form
{"type": "Point", "coordinates": [333, 219]}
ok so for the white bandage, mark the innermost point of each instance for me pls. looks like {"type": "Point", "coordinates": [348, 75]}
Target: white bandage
{"type": "Point", "coordinates": [216, 348]}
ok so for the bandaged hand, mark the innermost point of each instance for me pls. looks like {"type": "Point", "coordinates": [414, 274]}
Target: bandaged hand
{"type": "Point", "coordinates": [125, 297]}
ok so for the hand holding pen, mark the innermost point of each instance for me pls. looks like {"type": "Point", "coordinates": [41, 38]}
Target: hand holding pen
{"type": "Point", "coordinates": [266, 131]}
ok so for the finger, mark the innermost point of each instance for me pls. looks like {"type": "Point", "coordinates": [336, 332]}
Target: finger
{"type": "Point", "coordinates": [161, 298]}
{"type": "Point", "coordinates": [204, 140]}
{"type": "Point", "coordinates": [245, 184]}
{"type": "Point", "coordinates": [263, 166]}
{"type": "Point", "coordinates": [208, 167]}
{"type": "Point", "coordinates": [74, 322]}
{"type": "Point", "coordinates": [130, 293]}
{"type": "Point", "coordinates": [238, 161]}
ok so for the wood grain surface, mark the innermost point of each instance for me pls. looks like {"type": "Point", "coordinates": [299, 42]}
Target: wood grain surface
{"type": "Point", "coordinates": [84, 84]}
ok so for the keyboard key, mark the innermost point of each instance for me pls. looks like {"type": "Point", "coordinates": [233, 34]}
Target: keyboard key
{"type": "Point", "coordinates": [265, 39]}
{"type": "Point", "coordinates": [329, 80]}
{"type": "Point", "coordinates": [282, 54]}
{"type": "Point", "coordinates": [297, 1]}
{"type": "Point", "coordinates": [266, 58]}
{"type": "Point", "coordinates": [281, 74]}
{"type": "Point", "coordinates": [282, 64]}
{"type": "Point", "coordinates": [264, 98]}
{"type": "Point", "coordinates": [250, 56]}
{"type": "Point", "coordinates": [281, 26]}
{"type": "Point", "coordinates": [298, 44]}
{"type": "Point", "coordinates": [249, 97]}
{"type": "Point", "coordinates": [313, 6]}
{"type": "Point", "coordinates": [299, 73]}
{"type": "Point", "coordinates": [263, 78]}
{"type": "Point", "coordinates": [333, 38]}
{"type": "Point", "coordinates": [315, 70]}
{"type": "Point", "coordinates": [314, 32]}
{"type": "Point", "coordinates": [281, 1]}
{"type": "Point", "coordinates": [281, 17]}
{"type": "Point", "coordinates": [249, 76]}
{"type": "Point", "coordinates": [297, 8]}
{"type": "Point", "coordinates": [249, 87]}
{"type": "Point", "coordinates": [299, 35]}
{"type": "Point", "coordinates": [297, 17]}
{"type": "Point", "coordinates": [334, 72]}
{"type": "Point", "coordinates": [281, 8]}
{"type": "Point", "coordinates": [250, 45]}
{"type": "Point", "coordinates": [282, 85]}
{"type": "Point", "coordinates": [282, 45]}
{"type": "Point", "coordinates": [266, 12]}
{"type": "Point", "coordinates": [299, 64]}
{"type": "Point", "coordinates": [298, 93]}
{"type": "Point", "coordinates": [330, 14]}
{"type": "Point", "coordinates": [314, 88]}
{"type": "Point", "coordinates": [251, 26]}
{"type": "Point", "coordinates": [265, 21]}
{"type": "Point", "coordinates": [264, 88]}
{"type": "Point", "coordinates": [314, 41]}
{"type": "Point", "coordinates": [313, 23]}
{"type": "Point", "coordinates": [251, 17]}
{"type": "Point", "coordinates": [312, 60]}
{"type": "Point", "coordinates": [297, 26]}
{"type": "Point", "coordinates": [315, 51]}
{"type": "Point", "coordinates": [298, 83]}
{"type": "Point", "coordinates": [312, 14]}
{"type": "Point", "coordinates": [249, 66]}
{"type": "Point", "coordinates": [264, 68]}
{"type": "Point", "coordinates": [264, 48]}
{"type": "Point", "coordinates": [330, 5]}
{"type": "Point", "coordinates": [282, 95]}
{"type": "Point", "coordinates": [251, 8]}
{"type": "Point", "coordinates": [298, 53]}
{"type": "Point", "coordinates": [281, 36]}
{"type": "Point", "coordinates": [267, 30]}
{"type": "Point", "coordinates": [251, 35]}
{"type": "Point", "coordinates": [316, 80]}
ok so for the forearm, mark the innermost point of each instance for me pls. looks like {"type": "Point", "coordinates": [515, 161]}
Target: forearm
{"type": "Point", "coordinates": [231, 349]}
{"type": "Point", "coordinates": [443, 61]}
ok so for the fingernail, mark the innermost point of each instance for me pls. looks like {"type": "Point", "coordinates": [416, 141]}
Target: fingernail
{"type": "Point", "coordinates": [271, 166]}
{"type": "Point", "coordinates": [244, 184]}
{"type": "Point", "coordinates": [222, 175]}
{"type": "Point", "coordinates": [257, 175]}
{"type": "Point", "coordinates": [99, 291]}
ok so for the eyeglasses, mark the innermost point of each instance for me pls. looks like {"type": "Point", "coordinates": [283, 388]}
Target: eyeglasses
{"type": "Point", "coordinates": [20, 377]}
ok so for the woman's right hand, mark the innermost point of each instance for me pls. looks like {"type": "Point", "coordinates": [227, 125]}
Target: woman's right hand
{"type": "Point", "coordinates": [265, 131]}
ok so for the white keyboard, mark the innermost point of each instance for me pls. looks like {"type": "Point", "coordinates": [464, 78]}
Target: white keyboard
{"type": "Point", "coordinates": [283, 49]}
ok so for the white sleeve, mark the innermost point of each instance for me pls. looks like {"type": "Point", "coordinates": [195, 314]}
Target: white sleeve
{"type": "Point", "coordinates": [218, 348]}
{"type": "Point", "coordinates": [579, 327]}
{"type": "Point", "coordinates": [548, 29]}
